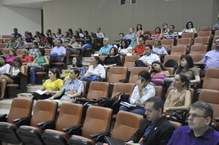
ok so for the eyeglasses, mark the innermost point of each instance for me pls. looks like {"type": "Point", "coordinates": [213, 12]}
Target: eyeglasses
{"type": "Point", "coordinates": [196, 115]}
{"type": "Point", "coordinates": [216, 41]}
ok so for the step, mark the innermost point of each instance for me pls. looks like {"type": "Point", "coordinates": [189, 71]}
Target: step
{"type": "Point", "coordinates": [5, 106]}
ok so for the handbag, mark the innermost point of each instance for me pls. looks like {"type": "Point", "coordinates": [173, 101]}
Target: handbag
{"type": "Point", "coordinates": [178, 116]}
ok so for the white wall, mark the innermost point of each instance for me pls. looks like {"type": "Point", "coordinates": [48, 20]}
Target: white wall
{"type": "Point", "coordinates": [25, 19]}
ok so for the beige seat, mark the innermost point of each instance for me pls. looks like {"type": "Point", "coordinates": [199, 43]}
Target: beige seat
{"type": "Point", "coordinates": [130, 61]}
{"type": "Point", "coordinates": [98, 90]}
{"type": "Point", "coordinates": [134, 71]}
{"type": "Point", "coordinates": [20, 109]}
{"type": "Point", "coordinates": [116, 74]}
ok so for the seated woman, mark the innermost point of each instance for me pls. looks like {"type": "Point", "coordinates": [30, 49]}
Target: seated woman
{"type": "Point", "coordinates": [51, 86]}
{"type": "Point", "coordinates": [25, 57]}
{"type": "Point", "coordinates": [142, 91]}
{"type": "Point", "coordinates": [123, 49]}
{"type": "Point", "coordinates": [188, 69]}
{"type": "Point", "coordinates": [72, 88]}
{"type": "Point", "coordinates": [158, 73]}
{"type": "Point", "coordinates": [11, 56]}
{"type": "Point", "coordinates": [157, 33]}
{"type": "Point", "coordinates": [4, 67]}
{"type": "Point", "coordinates": [113, 59]}
{"type": "Point", "coordinates": [11, 77]}
{"type": "Point", "coordinates": [39, 64]}
{"type": "Point", "coordinates": [179, 99]}
{"type": "Point", "coordinates": [189, 28]}
{"type": "Point", "coordinates": [95, 72]}
{"type": "Point", "coordinates": [76, 63]}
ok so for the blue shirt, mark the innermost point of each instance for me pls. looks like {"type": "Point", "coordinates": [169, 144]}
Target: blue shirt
{"type": "Point", "coordinates": [105, 49]}
{"type": "Point", "coordinates": [185, 136]}
{"type": "Point", "coordinates": [211, 59]}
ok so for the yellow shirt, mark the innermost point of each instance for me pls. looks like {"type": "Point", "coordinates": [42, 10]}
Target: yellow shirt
{"type": "Point", "coordinates": [50, 85]}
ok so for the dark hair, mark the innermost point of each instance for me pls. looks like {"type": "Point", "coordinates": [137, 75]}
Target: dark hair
{"type": "Point", "coordinates": [157, 28]}
{"type": "Point", "coordinates": [185, 80]}
{"type": "Point", "coordinates": [17, 59]}
{"type": "Point", "coordinates": [208, 110]}
{"type": "Point", "coordinates": [14, 52]}
{"type": "Point", "coordinates": [146, 75]}
{"type": "Point", "coordinates": [60, 40]}
{"type": "Point", "coordinates": [79, 61]}
{"type": "Point", "coordinates": [126, 43]}
{"type": "Point", "coordinates": [189, 60]}
{"type": "Point", "coordinates": [59, 31]}
{"type": "Point", "coordinates": [115, 50]}
{"type": "Point", "coordinates": [70, 31]}
{"type": "Point", "coordinates": [98, 60]}
{"type": "Point", "coordinates": [173, 26]}
{"type": "Point", "coordinates": [76, 71]}
{"type": "Point", "coordinates": [36, 44]}
{"type": "Point", "coordinates": [85, 32]}
{"type": "Point", "coordinates": [122, 34]}
{"type": "Point", "coordinates": [138, 25]}
{"type": "Point", "coordinates": [150, 46]}
{"type": "Point", "coordinates": [80, 30]}
{"type": "Point", "coordinates": [42, 51]}
{"type": "Point", "coordinates": [55, 71]}
{"type": "Point", "coordinates": [158, 102]}
{"type": "Point", "coordinates": [187, 24]}
{"type": "Point", "coordinates": [157, 62]}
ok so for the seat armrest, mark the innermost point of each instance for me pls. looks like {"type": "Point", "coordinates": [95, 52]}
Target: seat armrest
{"type": "Point", "coordinates": [99, 137]}
{"type": "Point", "coordinates": [3, 117]}
{"type": "Point", "coordinates": [22, 121]}
{"type": "Point", "coordinates": [46, 125]}
{"type": "Point", "coordinates": [216, 119]}
{"type": "Point", "coordinates": [76, 129]}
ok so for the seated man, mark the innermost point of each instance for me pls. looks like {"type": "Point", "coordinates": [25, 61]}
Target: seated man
{"type": "Point", "coordinates": [58, 52]}
{"type": "Point", "coordinates": [140, 48]}
{"type": "Point", "coordinates": [148, 57]}
{"type": "Point", "coordinates": [211, 58]}
{"type": "Point", "coordinates": [72, 87]}
{"type": "Point", "coordinates": [141, 93]}
{"type": "Point", "coordinates": [155, 129]}
{"type": "Point", "coordinates": [199, 130]}
{"type": "Point", "coordinates": [106, 47]}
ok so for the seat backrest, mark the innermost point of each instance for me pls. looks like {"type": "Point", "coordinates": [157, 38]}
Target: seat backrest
{"type": "Point", "coordinates": [204, 28]}
{"type": "Point", "coordinates": [130, 61]}
{"type": "Point", "coordinates": [98, 119]}
{"type": "Point", "coordinates": [126, 125]}
{"type": "Point", "coordinates": [69, 115]}
{"type": "Point", "coordinates": [98, 90]}
{"type": "Point", "coordinates": [167, 42]}
{"type": "Point", "coordinates": [122, 87]}
{"type": "Point", "coordinates": [211, 97]}
{"type": "Point", "coordinates": [158, 90]}
{"type": "Point", "coordinates": [197, 57]}
{"type": "Point", "coordinates": [115, 74]}
{"type": "Point", "coordinates": [149, 42]}
{"type": "Point", "coordinates": [20, 108]}
{"type": "Point", "coordinates": [188, 35]}
{"type": "Point", "coordinates": [216, 32]}
{"type": "Point", "coordinates": [176, 58]}
{"type": "Point", "coordinates": [204, 33]}
{"type": "Point", "coordinates": [184, 41]}
{"type": "Point", "coordinates": [198, 49]}
{"type": "Point", "coordinates": [211, 79]}
{"type": "Point", "coordinates": [203, 40]}
{"type": "Point", "coordinates": [44, 110]}
{"type": "Point", "coordinates": [178, 50]}
{"type": "Point", "coordinates": [134, 71]}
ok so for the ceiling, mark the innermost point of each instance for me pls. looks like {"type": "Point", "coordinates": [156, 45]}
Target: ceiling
{"type": "Point", "coordinates": [35, 4]}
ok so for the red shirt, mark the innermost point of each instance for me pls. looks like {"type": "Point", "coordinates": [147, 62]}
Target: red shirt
{"type": "Point", "coordinates": [139, 49]}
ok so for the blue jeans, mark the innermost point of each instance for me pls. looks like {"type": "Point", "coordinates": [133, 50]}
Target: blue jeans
{"type": "Point", "coordinates": [85, 47]}
{"type": "Point", "coordinates": [54, 57]}
{"type": "Point", "coordinates": [137, 110]}
{"type": "Point", "coordinates": [33, 71]}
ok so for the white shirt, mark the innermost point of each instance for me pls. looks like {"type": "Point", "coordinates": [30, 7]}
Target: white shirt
{"type": "Point", "coordinates": [98, 70]}
{"type": "Point", "coordinates": [5, 69]}
{"type": "Point", "coordinates": [148, 92]}
{"type": "Point", "coordinates": [150, 58]}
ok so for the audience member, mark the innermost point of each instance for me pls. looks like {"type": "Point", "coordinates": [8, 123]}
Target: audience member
{"type": "Point", "coordinates": [87, 41]}
{"type": "Point", "coordinates": [211, 58]}
{"type": "Point", "coordinates": [155, 129]}
{"type": "Point", "coordinates": [11, 56]}
{"type": "Point", "coordinates": [157, 33]}
{"type": "Point", "coordinates": [4, 67]}
{"type": "Point", "coordinates": [189, 28]}
{"type": "Point", "coordinates": [80, 32]}
{"type": "Point", "coordinates": [70, 33]}
{"type": "Point", "coordinates": [179, 99]}
{"type": "Point", "coordinates": [140, 48]}
{"type": "Point", "coordinates": [199, 130]}
{"type": "Point", "coordinates": [23, 44]}
{"type": "Point", "coordinates": [58, 52]}
{"type": "Point", "coordinates": [158, 73]}
{"type": "Point", "coordinates": [11, 77]}
{"type": "Point", "coordinates": [59, 34]}
{"type": "Point", "coordinates": [51, 86]}
{"type": "Point", "coordinates": [34, 49]}
{"type": "Point", "coordinates": [216, 26]}
{"type": "Point", "coordinates": [159, 49]}
{"type": "Point", "coordinates": [99, 34]}
{"type": "Point", "coordinates": [165, 29]}
{"type": "Point", "coordinates": [139, 30]}
{"type": "Point", "coordinates": [171, 34]}
{"type": "Point", "coordinates": [123, 49]}
{"type": "Point", "coordinates": [25, 58]}
{"type": "Point", "coordinates": [113, 59]}
{"type": "Point", "coordinates": [141, 93]}
{"type": "Point", "coordinates": [95, 72]}
{"type": "Point", "coordinates": [130, 35]}
{"type": "Point", "coordinates": [39, 64]}
{"type": "Point", "coordinates": [72, 88]}
{"type": "Point", "coordinates": [15, 33]}
{"type": "Point", "coordinates": [104, 50]}
{"type": "Point", "coordinates": [148, 57]}
{"type": "Point", "coordinates": [13, 43]}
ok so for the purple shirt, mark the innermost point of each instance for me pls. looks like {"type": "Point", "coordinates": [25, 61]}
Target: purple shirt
{"type": "Point", "coordinates": [185, 136]}
{"type": "Point", "coordinates": [59, 50]}
{"type": "Point", "coordinates": [211, 59]}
